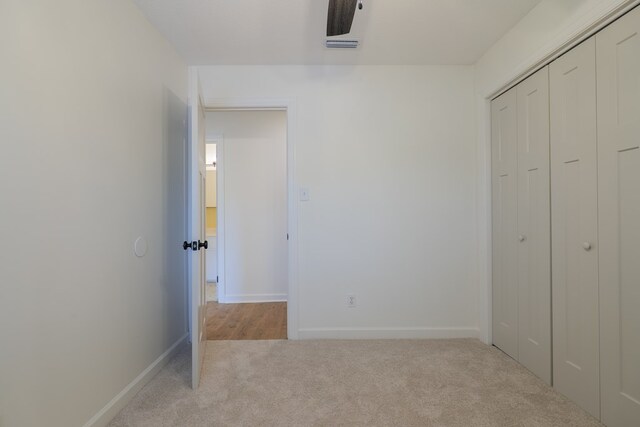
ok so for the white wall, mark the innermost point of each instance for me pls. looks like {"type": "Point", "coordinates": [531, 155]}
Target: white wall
{"type": "Point", "coordinates": [543, 30]}
{"type": "Point", "coordinates": [538, 37]}
{"type": "Point", "coordinates": [255, 204]}
{"type": "Point", "coordinates": [388, 154]}
{"type": "Point", "coordinates": [83, 95]}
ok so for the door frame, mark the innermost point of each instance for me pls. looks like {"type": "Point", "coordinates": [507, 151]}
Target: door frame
{"type": "Point", "coordinates": [287, 105]}
{"type": "Point", "coordinates": [586, 26]}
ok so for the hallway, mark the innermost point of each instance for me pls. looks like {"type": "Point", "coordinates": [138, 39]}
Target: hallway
{"type": "Point", "coordinates": [256, 321]}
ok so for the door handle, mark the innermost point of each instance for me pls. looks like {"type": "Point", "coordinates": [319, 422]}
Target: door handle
{"type": "Point", "coordinates": [195, 245]}
{"type": "Point", "coordinates": [522, 237]}
{"type": "Point", "coordinates": [587, 246]}
{"type": "Point", "coordinates": [191, 245]}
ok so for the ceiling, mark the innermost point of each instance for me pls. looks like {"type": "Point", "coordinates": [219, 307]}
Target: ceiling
{"type": "Point", "coordinates": [269, 32]}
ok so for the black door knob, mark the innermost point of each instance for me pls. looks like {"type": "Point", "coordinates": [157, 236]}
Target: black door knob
{"type": "Point", "coordinates": [191, 245]}
{"type": "Point", "coordinates": [204, 244]}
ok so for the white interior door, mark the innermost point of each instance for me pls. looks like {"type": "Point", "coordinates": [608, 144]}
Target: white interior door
{"type": "Point", "coordinates": [618, 53]}
{"type": "Point", "coordinates": [574, 226]}
{"type": "Point", "coordinates": [197, 197]}
{"type": "Point", "coordinates": [534, 226]}
{"type": "Point", "coordinates": [504, 200]}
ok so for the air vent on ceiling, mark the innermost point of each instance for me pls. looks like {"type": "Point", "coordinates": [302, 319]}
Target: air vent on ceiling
{"type": "Point", "coordinates": [342, 44]}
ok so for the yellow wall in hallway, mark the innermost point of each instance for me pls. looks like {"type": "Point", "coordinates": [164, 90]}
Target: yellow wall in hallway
{"type": "Point", "coordinates": [211, 218]}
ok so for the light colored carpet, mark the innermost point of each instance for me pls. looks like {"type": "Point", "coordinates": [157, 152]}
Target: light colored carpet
{"type": "Point", "coordinates": [351, 383]}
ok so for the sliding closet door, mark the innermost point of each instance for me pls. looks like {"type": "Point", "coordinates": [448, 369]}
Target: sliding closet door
{"type": "Point", "coordinates": [618, 51]}
{"type": "Point", "coordinates": [534, 228]}
{"type": "Point", "coordinates": [574, 226]}
{"type": "Point", "coordinates": [504, 188]}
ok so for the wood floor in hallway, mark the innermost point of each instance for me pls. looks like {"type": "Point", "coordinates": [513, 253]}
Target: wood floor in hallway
{"type": "Point", "coordinates": [257, 321]}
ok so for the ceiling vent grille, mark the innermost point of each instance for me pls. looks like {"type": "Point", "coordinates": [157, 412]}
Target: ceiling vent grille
{"type": "Point", "coordinates": [342, 44]}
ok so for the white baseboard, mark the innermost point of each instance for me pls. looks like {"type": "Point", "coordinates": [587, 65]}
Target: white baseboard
{"type": "Point", "coordinates": [386, 333]}
{"type": "Point", "coordinates": [116, 404]}
{"type": "Point", "coordinates": [232, 299]}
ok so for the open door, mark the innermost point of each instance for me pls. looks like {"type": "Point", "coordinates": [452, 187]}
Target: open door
{"type": "Point", "coordinates": [196, 243]}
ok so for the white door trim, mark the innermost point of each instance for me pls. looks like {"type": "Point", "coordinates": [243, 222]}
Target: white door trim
{"type": "Point", "coordinates": [586, 26]}
{"type": "Point", "coordinates": [261, 104]}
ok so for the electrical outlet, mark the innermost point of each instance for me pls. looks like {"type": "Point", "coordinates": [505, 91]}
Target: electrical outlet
{"type": "Point", "coordinates": [351, 301]}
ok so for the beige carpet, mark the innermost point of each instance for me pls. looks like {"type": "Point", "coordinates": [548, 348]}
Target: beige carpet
{"type": "Point", "coordinates": [351, 383]}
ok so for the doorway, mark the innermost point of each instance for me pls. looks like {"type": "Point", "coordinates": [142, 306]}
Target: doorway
{"type": "Point", "coordinates": [250, 259]}
{"type": "Point", "coordinates": [211, 220]}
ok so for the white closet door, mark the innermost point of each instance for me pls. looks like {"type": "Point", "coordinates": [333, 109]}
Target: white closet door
{"type": "Point", "coordinates": [618, 52]}
{"type": "Point", "coordinates": [534, 228]}
{"type": "Point", "coordinates": [574, 226]}
{"type": "Point", "coordinates": [504, 186]}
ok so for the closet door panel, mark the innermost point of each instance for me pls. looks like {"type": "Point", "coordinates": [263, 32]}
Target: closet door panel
{"type": "Point", "coordinates": [504, 204]}
{"type": "Point", "coordinates": [534, 228]}
{"type": "Point", "coordinates": [574, 226]}
{"type": "Point", "coordinates": [618, 52]}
